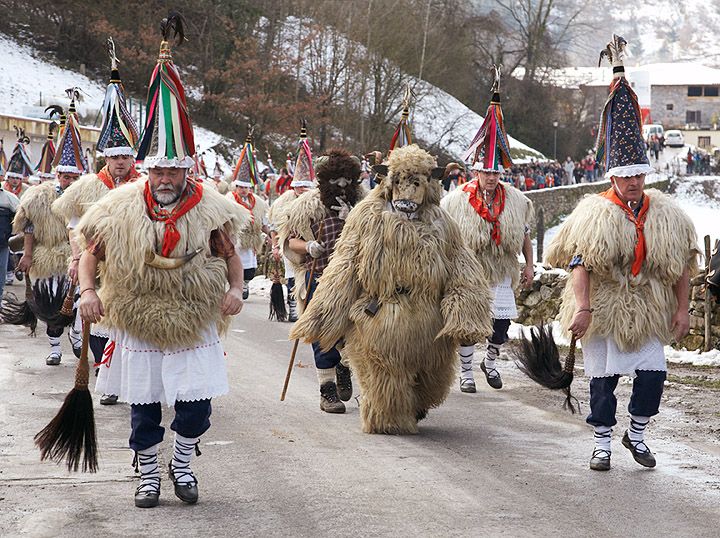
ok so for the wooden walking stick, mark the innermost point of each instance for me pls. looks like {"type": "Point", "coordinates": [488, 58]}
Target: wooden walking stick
{"type": "Point", "coordinates": [70, 436]}
{"type": "Point", "coordinates": [297, 340]}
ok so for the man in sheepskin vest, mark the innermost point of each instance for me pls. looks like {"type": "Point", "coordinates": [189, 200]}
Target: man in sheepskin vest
{"type": "Point", "coordinates": [251, 240]}
{"type": "Point", "coordinates": [303, 180]}
{"type": "Point", "coordinates": [118, 137]}
{"type": "Point", "coordinates": [166, 244]}
{"type": "Point", "coordinates": [309, 234]}
{"type": "Point", "coordinates": [46, 249]}
{"type": "Point", "coordinates": [402, 290]}
{"type": "Point", "coordinates": [630, 252]}
{"type": "Point", "coordinates": [495, 219]}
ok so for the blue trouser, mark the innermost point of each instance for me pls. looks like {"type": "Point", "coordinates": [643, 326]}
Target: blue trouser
{"type": "Point", "coordinates": [4, 257]}
{"type": "Point", "coordinates": [499, 335]}
{"type": "Point", "coordinates": [645, 400]}
{"type": "Point", "coordinates": [97, 346]}
{"type": "Point", "coordinates": [192, 419]}
{"type": "Point", "coordinates": [290, 286]}
{"type": "Point", "coordinates": [323, 359]}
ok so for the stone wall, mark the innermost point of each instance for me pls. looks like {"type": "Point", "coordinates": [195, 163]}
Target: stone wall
{"type": "Point", "coordinates": [560, 201]}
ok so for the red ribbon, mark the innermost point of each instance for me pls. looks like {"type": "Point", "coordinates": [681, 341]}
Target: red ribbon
{"type": "Point", "coordinates": [639, 222]}
{"type": "Point", "coordinates": [107, 179]}
{"type": "Point", "coordinates": [498, 205]}
{"type": "Point", "coordinates": [189, 199]}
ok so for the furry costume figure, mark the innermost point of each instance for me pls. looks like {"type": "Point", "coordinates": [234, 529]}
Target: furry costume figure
{"type": "Point", "coordinates": [430, 290]}
{"type": "Point", "coordinates": [628, 309]}
{"type": "Point", "coordinates": [498, 261]}
{"type": "Point", "coordinates": [51, 249]}
{"type": "Point", "coordinates": [278, 212]}
{"type": "Point", "coordinates": [138, 297]}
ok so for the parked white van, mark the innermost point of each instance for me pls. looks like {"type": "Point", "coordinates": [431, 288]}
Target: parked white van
{"type": "Point", "coordinates": [653, 129]}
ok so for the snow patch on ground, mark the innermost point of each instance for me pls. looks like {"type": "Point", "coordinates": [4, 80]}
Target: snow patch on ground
{"type": "Point", "coordinates": [696, 358]}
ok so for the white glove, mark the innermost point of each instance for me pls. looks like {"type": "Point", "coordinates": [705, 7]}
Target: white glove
{"type": "Point", "coordinates": [315, 249]}
{"type": "Point", "coordinates": [342, 208]}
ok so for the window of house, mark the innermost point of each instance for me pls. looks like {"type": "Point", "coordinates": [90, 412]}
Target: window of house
{"type": "Point", "coordinates": [704, 141]}
{"type": "Point", "coordinates": [695, 91]}
{"type": "Point", "coordinates": [711, 91]}
{"type": "Point", "coordinates": [669, 106]}
{"type": "Point", "coordinates": [692, 116]}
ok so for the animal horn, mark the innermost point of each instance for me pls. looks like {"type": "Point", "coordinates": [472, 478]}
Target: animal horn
{"type": "Point", "coordinates": [161, 262]}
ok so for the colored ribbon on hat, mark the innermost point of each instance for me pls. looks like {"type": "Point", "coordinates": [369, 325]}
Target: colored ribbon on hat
{"type": "Point", "coordinates": [639, 222]}
{"type": "Point", "coordinates": [104, 176]}
{"type": "Point", "coordinates": [476, 200]}
{"type": "Point", "coordinates": [189, 199]}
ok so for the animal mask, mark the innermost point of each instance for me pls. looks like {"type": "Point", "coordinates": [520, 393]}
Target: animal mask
{"type": "Point", "coordinates": [338, 175]}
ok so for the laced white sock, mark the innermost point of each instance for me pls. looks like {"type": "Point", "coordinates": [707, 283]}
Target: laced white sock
{"type": "Point", "coordinates": [603, 438]}
{"type": "Point", "coordinates": [636, 432]}
{"type": "Point", "coordinates": [182, 454]}
{"type": "Point", "coordinates": [493, 352]}
{"type": "Point", "coordinates": [466, 354]}
{"type": "Point", "coordinates": [325, 374]}
{"type": "Point", "coordinates": [146, 462]}
{"type": "Point", "coordinates": [54, 342]}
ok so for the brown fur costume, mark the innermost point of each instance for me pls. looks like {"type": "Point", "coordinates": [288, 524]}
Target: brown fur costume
{"type": "Point", "coordinates": [167, 308]}
{"type": "Point", "coordinates": [51, 249]}
{"type": "Point", "coordinates": [498, 261]}
{"type": "Point", "coordinates": [629, 309]}
{"type": "Point", "coordinates": [431, 291]}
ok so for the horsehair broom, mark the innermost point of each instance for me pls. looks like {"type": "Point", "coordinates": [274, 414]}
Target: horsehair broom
{"type": "Point", "coordinates": [16, 312]}
{"type": "Point", "coordinates": [53, 301]}
{"type": "Point", "coordinates": [70, 436]}
{"type": "Point", "coordinates": [539, 359]}
{"type": "Point", "coordinates": [297, 340]}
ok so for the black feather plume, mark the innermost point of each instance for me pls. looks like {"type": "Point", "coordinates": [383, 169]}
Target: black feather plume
{"type": "Point", "coordinates": [175, 23]}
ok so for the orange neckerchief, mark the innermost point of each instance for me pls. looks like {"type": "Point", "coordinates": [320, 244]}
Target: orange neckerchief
{"type": "Point", "coordinates": [14, 190]}
{"type": "Point", "coordinates": [188, 199]}
{"type": "Point", "coordinates": [251, 201]}
{"type": "Point", "coordinates": [498, 205]}
{"type": "Point", "coordinates": [107, 179]}
{"type": "Point", "coordinates": [639, 222]}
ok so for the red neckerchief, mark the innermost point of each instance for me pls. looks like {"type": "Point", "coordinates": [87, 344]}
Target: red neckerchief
{"type": "Point", "coordinates": [14, 190]}
{"type": "Point", "coordinates": [476, 200]}
{"type": "Point", "coordinates": [249, 206]}
{"type": "Point", "coordinates": [107, 179]}
{"type": "Point", "coordinates": [639, 222]}
{"type": "Point", "coordinates": [189, 199]}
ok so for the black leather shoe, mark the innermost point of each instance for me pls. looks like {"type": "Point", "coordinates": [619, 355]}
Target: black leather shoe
{"type": "Point", "coordinates": [494, 380]}
{"type": "Point", "coordinates": [344, 382]}
{"type": "Point", "coordinates": [108, 399]}
{"type": "Point", "coordinates": [643, 456]}
{"type": "Point", "coordinates": [147, 498]}
{"type": "Point", "coordinates": [600, 460]}
{"type": "Point", "coordinates": [467, 385]}
{"type": "Point", "coordinates": [187, 493]}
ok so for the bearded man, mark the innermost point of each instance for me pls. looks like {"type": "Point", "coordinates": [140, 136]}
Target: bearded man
{"type": "Point", "coordinates": [167, 249]}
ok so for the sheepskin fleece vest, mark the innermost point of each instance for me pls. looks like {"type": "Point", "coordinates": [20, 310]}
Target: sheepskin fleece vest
{"type": "Point", "coordinates": [51, 248]}
{"type": "Point", "coordinates": [251, 235]}
{"type": "Point", "coordinates": [79, 196]}
{"type": "Point", "coordinates": [279, 208]}
{"type": "Point", "coordinates": [165, 307]}
{"type": "Point", "coordinates": [299, 216]}
{"type": "Point", "coordinates": [498, 261]}
{"type": "Point", "coordinates": [629, 309]}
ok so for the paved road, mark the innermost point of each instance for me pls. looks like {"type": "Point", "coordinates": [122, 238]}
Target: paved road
{"type": "Point", "coordinates": [486, 464]}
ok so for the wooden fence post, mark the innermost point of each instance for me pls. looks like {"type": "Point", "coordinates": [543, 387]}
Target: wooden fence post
{"type": "Point", "coordinates": [708, 297]}
{"type": "Point", "coordinates": [540, 234]}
